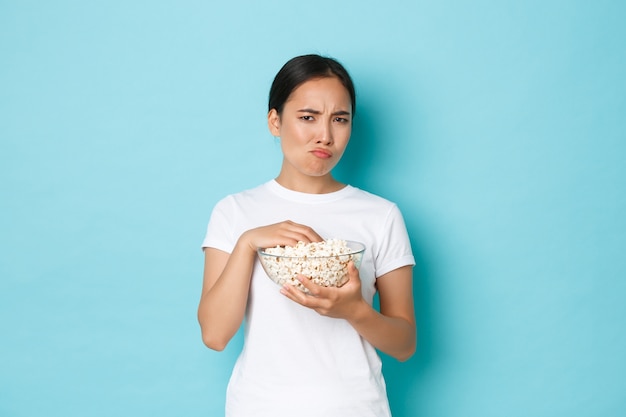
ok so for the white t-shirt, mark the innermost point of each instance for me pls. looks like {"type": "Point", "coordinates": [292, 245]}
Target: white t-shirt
{"type": "Point", "coordinates": [296, 362]}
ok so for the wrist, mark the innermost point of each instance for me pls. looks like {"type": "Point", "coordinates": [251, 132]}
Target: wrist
{"type": "Point", "coordinates": [246, 244]}
{"type": "Point", "coordinates": [360, 312]}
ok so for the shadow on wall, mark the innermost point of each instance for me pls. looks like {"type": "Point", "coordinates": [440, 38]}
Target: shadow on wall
{"type": "Point", "coordinates": [359, 167]}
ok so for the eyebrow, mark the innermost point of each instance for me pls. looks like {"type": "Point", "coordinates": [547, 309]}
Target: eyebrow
{"type": "Point", "coordinates": [337, 113]}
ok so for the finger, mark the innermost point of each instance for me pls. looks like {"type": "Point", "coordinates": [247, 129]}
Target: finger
{"type": "Point", "coordinates": [313, 288]}
{"type": "Point", "coordinates": [291, 237]}
{"type": "Point", "coordinates": [353, 272]}
{"type": "Point", "coordinates": [352, 275]}
{"type": "Point", "coordinates": [289, 291]}
{"type": "Point", "coordinates": [313, 236]}
{"type": "Point", "coordinates": [295, 294]}
{"type": "Point", "coordinates": [354, 278]}
{"type": "Point", "coordinates": [305, 233]}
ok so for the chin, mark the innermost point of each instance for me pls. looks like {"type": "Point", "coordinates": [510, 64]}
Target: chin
{"type": "Point", "coordinates": [317, 174]}
{"type": "Point", "coordinates": [319, 171]}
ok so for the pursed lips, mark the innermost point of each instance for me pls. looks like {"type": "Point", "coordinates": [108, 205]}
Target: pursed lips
{"type": "Point", "coordinates": [322, 153]}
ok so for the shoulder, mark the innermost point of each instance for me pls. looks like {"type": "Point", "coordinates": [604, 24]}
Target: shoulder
{"type": "Point", "coordinates": [377, 209]}
{"type": "Point", "coordinates": [371, 200]}
{"type": "Point", "coordinates": [241, 197]}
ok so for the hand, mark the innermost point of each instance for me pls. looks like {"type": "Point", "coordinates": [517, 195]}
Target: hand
{"type": "Point", "coordinates": [286, 233]}
{"type": "Point", "coordinates": [343, 302]}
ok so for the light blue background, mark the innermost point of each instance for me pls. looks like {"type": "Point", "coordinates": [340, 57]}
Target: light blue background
{"type": "Point", "coordinates": [497, 126]}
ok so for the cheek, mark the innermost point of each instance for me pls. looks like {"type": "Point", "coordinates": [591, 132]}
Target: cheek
{"type": "Point", "coordinates": [343, 137]}
{"type": "Point", "coordinates": [295, 135]}
{"type": "Point", "coordinates": [289, 142]}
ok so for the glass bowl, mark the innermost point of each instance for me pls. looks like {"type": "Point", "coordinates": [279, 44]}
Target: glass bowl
{"type": "Point", "coordinates": [326, 270]}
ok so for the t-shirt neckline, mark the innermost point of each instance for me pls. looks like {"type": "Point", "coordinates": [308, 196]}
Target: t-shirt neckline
{"type": "Point", "coordinates": [301, 197]}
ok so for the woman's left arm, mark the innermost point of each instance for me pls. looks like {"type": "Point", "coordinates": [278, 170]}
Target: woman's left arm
{"type": "Point", "coordinates": [392, 330]}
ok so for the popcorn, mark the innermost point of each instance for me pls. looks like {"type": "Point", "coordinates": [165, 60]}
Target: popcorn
{"type": "Point", "coordinates": [325, 263]}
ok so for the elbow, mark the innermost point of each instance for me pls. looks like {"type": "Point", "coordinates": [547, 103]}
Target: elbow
{"type": "Point", "coordinates": [213, 342]}
{"type": "Point", "coordinates": [212, 338]}
{"type": "Point", "coordinates": [407, 353]}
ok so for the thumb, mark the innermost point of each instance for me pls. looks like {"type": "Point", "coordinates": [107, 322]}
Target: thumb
{"type": "Point", "coordinates": [353, 272]}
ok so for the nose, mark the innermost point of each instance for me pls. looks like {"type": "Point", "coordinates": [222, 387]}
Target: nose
{"type": "Point", "coordinates": [326, 134]}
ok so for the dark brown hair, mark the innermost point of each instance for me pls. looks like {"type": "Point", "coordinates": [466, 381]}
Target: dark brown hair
{"type": "Point", "coordinates": [301, 69]}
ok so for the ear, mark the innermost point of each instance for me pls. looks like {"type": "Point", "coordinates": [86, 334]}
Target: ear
{"type": "Point", "coordinates": [273, 122]}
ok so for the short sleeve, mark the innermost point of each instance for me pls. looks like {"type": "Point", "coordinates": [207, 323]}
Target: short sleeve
{"type": "Point", "coordinates": [219, 234]}
{"type": "Point", "coordinates": [395, 247]}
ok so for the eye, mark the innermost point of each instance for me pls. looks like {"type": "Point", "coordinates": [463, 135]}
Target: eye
{"type": "Point", "coordinates": [306, 118]}
{"type": "Point", "coordinates": [341, 120]}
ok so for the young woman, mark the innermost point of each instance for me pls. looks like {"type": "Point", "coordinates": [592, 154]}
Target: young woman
{"type": "Point", "coordinates": [308, 354]}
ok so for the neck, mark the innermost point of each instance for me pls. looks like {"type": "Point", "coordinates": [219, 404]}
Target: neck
{"type": "Point", "coordinates": [310, 185]}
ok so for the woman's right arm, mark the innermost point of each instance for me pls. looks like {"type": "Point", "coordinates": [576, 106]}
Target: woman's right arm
{"type": "Point", "coordinates": [224, 294]}
{"type": "Point", "coordinates": [227, 277]}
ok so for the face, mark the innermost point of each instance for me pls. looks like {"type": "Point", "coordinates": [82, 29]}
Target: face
{"type": "Point", "coordinates": [314, 127]}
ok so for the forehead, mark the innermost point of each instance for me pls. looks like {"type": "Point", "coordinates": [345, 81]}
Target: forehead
{"type": "Point", "coordinates": [323, 91]}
